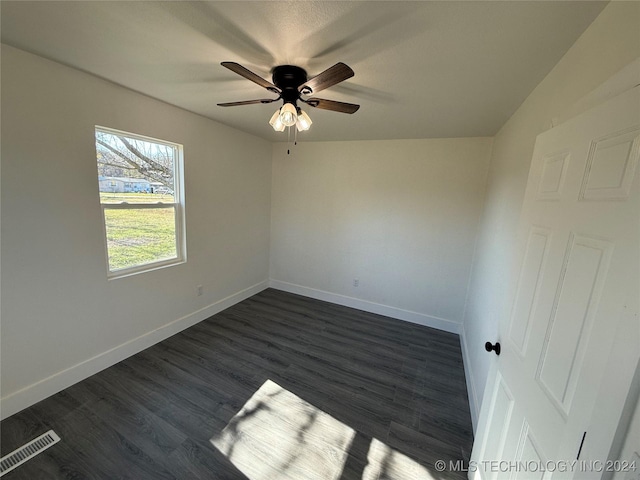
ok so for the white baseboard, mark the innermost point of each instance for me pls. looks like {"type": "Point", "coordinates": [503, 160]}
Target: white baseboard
{"type": "Point", "coordinates": [474, 404]}
{"type": "Point", "coordinates": [16, 401]}
{"type": "Point", "coordinates": [393, 312]}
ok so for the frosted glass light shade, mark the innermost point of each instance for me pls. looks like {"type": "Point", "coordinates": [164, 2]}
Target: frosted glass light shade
{"type": "Point", "coordinates": [276, 123]}
{"type": "Point", "coordinates": [288, 115]}
{"type": "Point", "coordinates": [304, 122]}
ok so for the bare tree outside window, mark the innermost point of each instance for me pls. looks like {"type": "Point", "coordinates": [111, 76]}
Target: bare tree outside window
{"type": "Point", "coordinates": [119, 156]}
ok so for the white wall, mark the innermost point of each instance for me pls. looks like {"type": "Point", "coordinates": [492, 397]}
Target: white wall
{"type": "Point", "coordinates": [609, 44]}
{"type": "Point", "coordinates": [400, 216]}
{"type": "Point", "coordinates": [61, 319]}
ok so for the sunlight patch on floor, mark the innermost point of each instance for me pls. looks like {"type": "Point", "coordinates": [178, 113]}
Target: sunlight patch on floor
{"type": "Point", "coordinates": [277, 435]}
{"type": "Point", "coordinates": [386, 463]}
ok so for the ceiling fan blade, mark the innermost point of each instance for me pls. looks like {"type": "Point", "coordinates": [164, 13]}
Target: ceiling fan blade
{"type": "Point", "coordinates": [332, 75]}
{"type": "Point", "coordinates": [248, 102]}
{"type": "Point", "coordinates": [333, 105]}
{"type": "Point", "coordinates": [249, 75]}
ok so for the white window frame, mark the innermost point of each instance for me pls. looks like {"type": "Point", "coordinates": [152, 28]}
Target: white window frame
{"type": "Point", "coordinates": [177, 205]}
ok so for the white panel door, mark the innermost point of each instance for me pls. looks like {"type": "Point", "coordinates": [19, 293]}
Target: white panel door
{"type": "Point", "coordinates": [575, 303]}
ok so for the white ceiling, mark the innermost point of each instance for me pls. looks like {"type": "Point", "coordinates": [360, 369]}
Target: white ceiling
{"type": "Point", "coordinates": [422, 69]}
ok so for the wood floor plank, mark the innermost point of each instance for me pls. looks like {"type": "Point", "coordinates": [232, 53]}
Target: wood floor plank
{"type": "Point", "coordinates": [107, 452]}
{"type": "Point", "coordinates": [195, 421]}
{"type": "Point", "coordinates": [19, 429]}
{"type": "Point", "coordinates": [204, 462]}
{"type": "Point", "coordinates": [153, 435]}
{"type": "Point", "coordinates": [398, 387]}
{"type": "Point", "coordinates": [424, 449]}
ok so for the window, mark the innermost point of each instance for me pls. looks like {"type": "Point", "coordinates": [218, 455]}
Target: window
{"type": "Point", "coordinates": [142, 203]}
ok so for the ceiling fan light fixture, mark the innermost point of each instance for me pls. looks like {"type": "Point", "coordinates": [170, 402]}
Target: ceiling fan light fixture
{"type": "Point", "coordinates": [275, 122]}
{"type": "Point", "coordinates": [288, 115]}
{"type": "Point", "coordinates": [290, 83]}
{"type": "Point", "coordinates": [304, 122]}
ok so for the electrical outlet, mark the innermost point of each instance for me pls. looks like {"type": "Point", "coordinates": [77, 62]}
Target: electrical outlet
{"type": "Point", "coordinates": [199, 290]}
{"type": "Point", "coordinates": [356, 282]}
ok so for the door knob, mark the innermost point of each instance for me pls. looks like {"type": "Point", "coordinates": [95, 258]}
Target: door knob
{"type": "Point", "coordinates": [495, 347]}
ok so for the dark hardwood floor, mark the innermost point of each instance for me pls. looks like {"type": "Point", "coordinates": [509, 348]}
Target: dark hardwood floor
{"type": "Point", "coordinates": [337, 392]}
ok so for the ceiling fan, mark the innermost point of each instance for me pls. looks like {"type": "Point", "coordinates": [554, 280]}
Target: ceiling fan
{"type": "Point", "coordinates": [290, 83]}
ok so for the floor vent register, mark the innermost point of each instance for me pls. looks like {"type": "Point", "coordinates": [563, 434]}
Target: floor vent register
{"type": "Point", "coordinates": [27, 452]}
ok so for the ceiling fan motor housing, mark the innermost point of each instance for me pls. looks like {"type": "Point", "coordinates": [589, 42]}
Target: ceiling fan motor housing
{"type": "Point", "coordinates": [291, 82]}
{"type": "Point", "coordinates": [288, 78]}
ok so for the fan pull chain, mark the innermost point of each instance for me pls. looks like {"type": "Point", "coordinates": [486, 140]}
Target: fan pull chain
{"type": "Point", "coordinates": [288, 140]}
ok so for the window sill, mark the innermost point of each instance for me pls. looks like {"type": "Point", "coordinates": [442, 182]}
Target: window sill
{"type": "Point", "coordinates": [149, 267]}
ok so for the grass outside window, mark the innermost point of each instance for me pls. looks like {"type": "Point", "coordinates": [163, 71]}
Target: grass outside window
{"type": "Point", "coordinates": [138, 237]}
